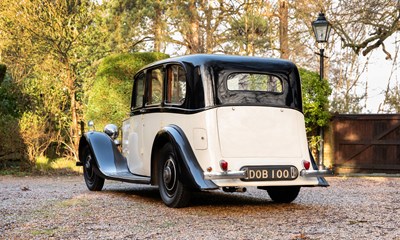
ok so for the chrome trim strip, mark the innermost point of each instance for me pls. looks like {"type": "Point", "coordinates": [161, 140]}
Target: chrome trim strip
{"type": "Point", "coordinates": [225, 175]}
{"type": "Point", "coordinates": [316, 173]}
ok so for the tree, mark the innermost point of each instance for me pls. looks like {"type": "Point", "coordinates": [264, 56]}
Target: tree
{"type": "Point", "coordinates": [345, 78]}
{"type": "Point", "coordinates": [365, 25]}
{"type": "Point", "coordinates": [391, 102]}
{"type": "Point", "coordinates": [132, 24]}
{"type": "Point", "coordinates": [283, 28]}
{"type": "Point", "coordinates": [51, 31]}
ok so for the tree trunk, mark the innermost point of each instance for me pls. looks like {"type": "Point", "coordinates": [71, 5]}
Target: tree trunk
{"type": "Point", "coordinates": [194, 31]}
{"type": "Point", "coordinates": [209, 33]}
{"type": "Point", "coordinates": [283, 28]}
{"type": "Point", "coordinates": [157, 27]}
{"type": "Point", "coordinates": [74, 128]}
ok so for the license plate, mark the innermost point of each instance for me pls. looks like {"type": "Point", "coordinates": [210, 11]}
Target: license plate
{"type": "Point", "coordinates": [270, 173]}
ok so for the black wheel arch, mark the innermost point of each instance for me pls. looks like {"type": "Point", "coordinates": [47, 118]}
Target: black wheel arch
{"type": "Point", "coordinates": [83, 143]}
{"type": "Point", "coordinates": [190, 172]}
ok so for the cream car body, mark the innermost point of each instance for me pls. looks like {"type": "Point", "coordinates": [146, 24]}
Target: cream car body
{"type": "Point", "coordinates": [206, 122]}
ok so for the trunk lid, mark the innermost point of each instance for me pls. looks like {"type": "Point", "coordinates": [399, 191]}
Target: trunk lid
{"type": "Point", "coordinates": [260, 132]}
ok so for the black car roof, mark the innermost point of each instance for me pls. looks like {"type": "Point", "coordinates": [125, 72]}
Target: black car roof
{"type": "Point", "coordinates": [256, 63]}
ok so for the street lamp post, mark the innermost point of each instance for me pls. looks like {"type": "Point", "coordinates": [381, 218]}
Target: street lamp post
{"type": "Point", "coordinates": [322, 29]}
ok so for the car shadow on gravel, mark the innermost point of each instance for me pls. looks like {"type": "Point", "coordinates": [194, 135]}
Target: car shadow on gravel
{"type": "Point", "coordinates": [198, 199]}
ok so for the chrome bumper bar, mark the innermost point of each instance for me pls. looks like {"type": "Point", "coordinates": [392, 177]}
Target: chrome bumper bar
{"type": "Point", "coordinates": [316, 173]}
{"type": "Point", "coordinates": [243, 174]}
{"type": "Point", "coordinates": [225, 175]}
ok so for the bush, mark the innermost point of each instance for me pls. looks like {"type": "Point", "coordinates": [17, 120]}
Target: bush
{"type": "Point", "coordinates": [3, 69]}
{"type": "Point", "coordinates": [12, 147]}
{"type": "Point", "coordinates": [315, 100]}
{"type": "Point", "coordinates": [109, 98]}
{"type": "Point", "coordinates": [36, 133]}
{"type": "Point", "coordinates": [315, 105]}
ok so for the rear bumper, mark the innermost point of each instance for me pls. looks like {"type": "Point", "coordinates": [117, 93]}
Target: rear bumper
{"type": "Point", "coordinates": [316, 173]}
{"type": "Point", "coordinates": [225, 175]}
{"type": "Point", "coordinates": [243, 174]}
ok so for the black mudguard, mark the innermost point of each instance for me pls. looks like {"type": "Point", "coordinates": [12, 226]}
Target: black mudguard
{"type": "Point", "coordinates": [190, 172]}
{"type": "Point", "coordinates": [111, 164]}
{"type": "Point", "coordinates": [321, 180]}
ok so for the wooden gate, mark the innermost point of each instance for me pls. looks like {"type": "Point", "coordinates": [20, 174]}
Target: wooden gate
{"type": "Point", "coordinates": [367, 143]}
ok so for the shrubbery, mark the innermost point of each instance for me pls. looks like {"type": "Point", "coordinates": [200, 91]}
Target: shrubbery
{"type": "Point", "coordinates": [3, 69]}
{"type": "Point", "coordinates": [109, 98]}
{"type": "Point", "coordinates": [315, 104]}
{"type": "Point", "coordinates": [12, 146]}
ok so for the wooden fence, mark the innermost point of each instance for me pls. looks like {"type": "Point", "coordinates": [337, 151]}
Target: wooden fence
{"type": "Point", "coordinates": [364, 143]}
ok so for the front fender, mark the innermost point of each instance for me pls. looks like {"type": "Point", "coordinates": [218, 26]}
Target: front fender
{"type": "Point", "coordinates": [191, 174]}
{"type": "Point", "coordinates": [108, 159]}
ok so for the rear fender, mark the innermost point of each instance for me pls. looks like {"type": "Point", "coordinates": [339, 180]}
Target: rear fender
{"type": "Point", "coordinates": [321, 180]}
{"type": "Point", "coordinates": [190, 172]}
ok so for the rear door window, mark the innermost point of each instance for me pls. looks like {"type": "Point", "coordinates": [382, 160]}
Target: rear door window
{"type": "Point", "coordinates": [176, 85]}
{"type": "Point", "coordinates": [155, 87]}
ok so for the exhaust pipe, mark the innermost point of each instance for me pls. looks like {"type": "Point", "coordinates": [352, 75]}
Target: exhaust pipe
{"type": "Point", "coordinates": [234, 189]}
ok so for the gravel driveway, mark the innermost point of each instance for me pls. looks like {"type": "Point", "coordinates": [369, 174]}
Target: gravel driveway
{"type": "Point", "coordinates": [62, 208]}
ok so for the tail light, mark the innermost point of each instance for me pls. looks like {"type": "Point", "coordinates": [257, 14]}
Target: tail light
{"type": "Point", "coordinates": [306, 164]}
{"type": "Point", "coordinates": [224, 165]}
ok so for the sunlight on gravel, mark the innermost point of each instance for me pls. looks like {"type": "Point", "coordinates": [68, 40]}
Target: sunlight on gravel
{"type": "Point", "coordinates": [62, 208]}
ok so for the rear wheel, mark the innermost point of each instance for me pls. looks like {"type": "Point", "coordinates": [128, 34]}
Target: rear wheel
{"type": "Point", "coordinates": [92, 180]}
{"type": "Point", "coordinates": [285, 194]}
{"type": "Point", "coordinates": [172, 191]}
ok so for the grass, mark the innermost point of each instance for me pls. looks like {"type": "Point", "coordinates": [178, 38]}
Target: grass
{"type": "Point", "coordinates": [45, 166]}
{"type": "Point", "coordinates": [48, 232]}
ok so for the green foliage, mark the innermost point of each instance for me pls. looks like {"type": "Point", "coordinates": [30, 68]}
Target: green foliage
{"type": "Point", "coordinates": [315, 101]}
{"type": "Point", "coordinates": [3, 69]}
{"type": "Point", "coordinates": [109, 98]}
{"type": "Point", "coordinates": [12, 146]}
{"type": "Point", "coordinates": [10, 103]}
{"type": "Point", "coordinates": [36, 131]}
{"type": "Point", "coordinates": [249, 30]}
{"type": "Point", "coordinates": [11, 107]}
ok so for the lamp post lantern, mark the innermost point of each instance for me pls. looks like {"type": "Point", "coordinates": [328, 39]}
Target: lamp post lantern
{"type": "Point", "coordinates": [322, 29]}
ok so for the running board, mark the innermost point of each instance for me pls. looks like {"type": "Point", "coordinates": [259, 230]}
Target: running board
{"type": "Point", "coordinates": [129, 177]}
{"type": "Point", "coordinates": [124, 176]}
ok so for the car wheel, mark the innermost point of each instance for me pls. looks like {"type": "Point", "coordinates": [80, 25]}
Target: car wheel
{"type": "Point", "coordinates": [172, 191]}
{"type": "Point", "coordinates": [92, 180]}
{"type": "Point", "coordinates": [283, 194]}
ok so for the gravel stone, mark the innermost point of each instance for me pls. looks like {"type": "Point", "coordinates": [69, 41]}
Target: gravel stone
{"type": "Point", "coordinates": [63, 208]}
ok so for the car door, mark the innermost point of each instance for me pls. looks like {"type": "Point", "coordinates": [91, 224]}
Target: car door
{"type": "Point", "coordinates": [152, 119]}
{"type": "Point", "coordinates": [132, 143]}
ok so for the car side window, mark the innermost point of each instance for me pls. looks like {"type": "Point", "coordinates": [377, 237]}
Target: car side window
{"type": "Point", "coordinates": [176, 85]}
{"type": "Point", "coordinates": [155, 87]}
{"type": "Point", "coordinates": [139, 90]}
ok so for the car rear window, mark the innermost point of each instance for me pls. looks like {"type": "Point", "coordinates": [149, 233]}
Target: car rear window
{"type": "Point", "coordinates": [254, 82]}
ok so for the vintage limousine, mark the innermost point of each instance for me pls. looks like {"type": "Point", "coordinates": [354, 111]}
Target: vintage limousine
{"type": "Point", "coordinates": [208, 122]}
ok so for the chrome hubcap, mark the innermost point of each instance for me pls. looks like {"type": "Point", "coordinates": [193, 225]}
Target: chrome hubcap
{"type": "Point", "coordinates": [169, 174]}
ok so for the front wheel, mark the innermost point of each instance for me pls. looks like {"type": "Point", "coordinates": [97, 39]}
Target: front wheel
{"type": "Point", "coordinates": [285, 194]}
{"type": "Point", "coordinates": [172, 191]}
{"type": "Point", "coordinates": [92, 180]}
